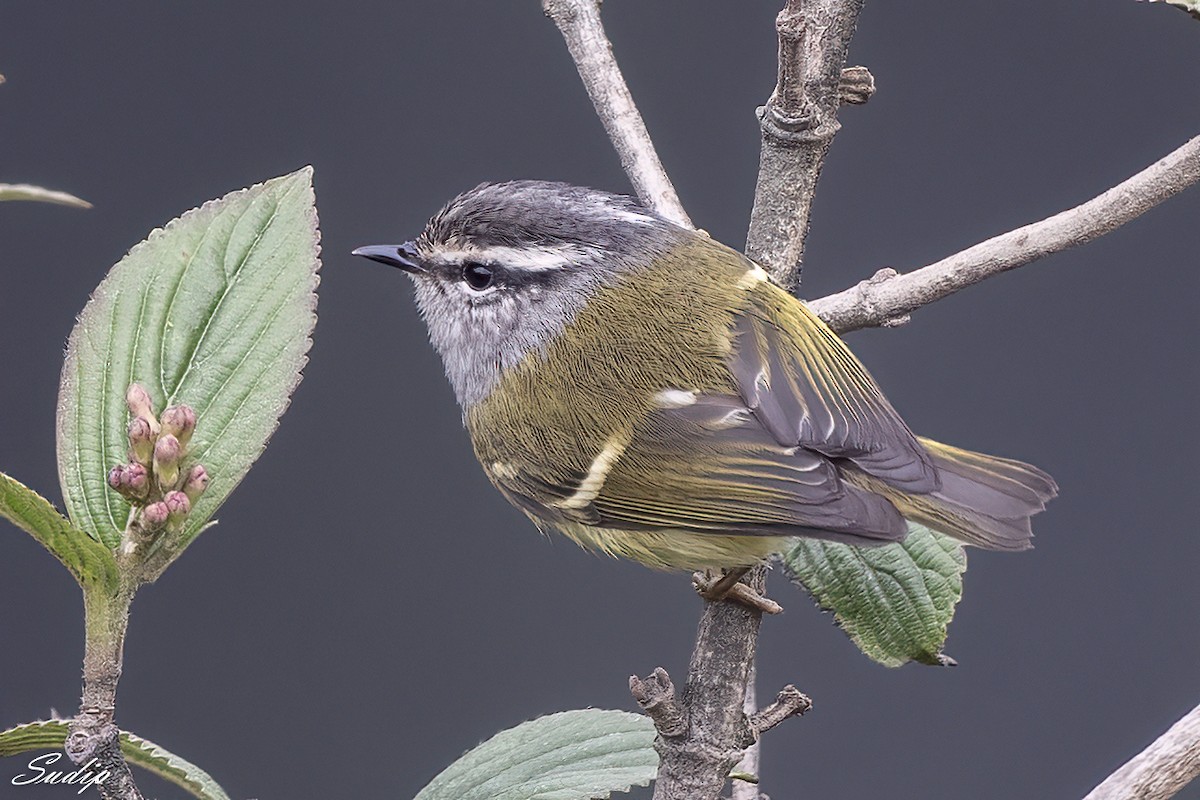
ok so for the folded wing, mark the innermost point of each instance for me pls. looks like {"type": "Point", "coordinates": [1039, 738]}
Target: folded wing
{"type": "Point", "coordinates": [807, 388]}
{"type": "Point", "coordinates": [708, 467]}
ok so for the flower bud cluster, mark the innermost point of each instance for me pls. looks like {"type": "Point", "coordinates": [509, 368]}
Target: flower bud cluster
{"type": "Point", "coordinates": [156, 480]}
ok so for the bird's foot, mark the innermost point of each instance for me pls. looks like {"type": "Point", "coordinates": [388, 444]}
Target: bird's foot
{"type": "Point", "coordinates": [728, 587]}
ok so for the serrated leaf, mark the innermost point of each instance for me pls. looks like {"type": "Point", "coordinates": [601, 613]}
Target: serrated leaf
{"type": "Point", "coordinates": [894, 601]}
{"type": "Point", "coordinates": [572, 755]}
{"type": "Point", "coordinates": [25, 191]}
{"type": "Point", "coordinates": [87, 559]}
{"type": "Point", "coordinates": [1190, 6]}
{"type": "Point", "coordinates": [52, 734]}
{"type": "Point", "coordinates": [215, 311]}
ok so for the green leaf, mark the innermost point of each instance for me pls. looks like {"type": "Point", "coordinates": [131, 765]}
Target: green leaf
{"type": "Point", "coordinates": [52, 734]}
{"type": "Point", "coordinates": [87, 559]}
{"type": "Point", "coordinates": [572, 755]}
{"type": "Point", "coordinates": [894, 601]}
{"type": "Point", "coordinates": [1190, 6]}
{"type": "Point", "coordinates": [25, 191]}
{"type": "Point", "coordinates": [214, 311]}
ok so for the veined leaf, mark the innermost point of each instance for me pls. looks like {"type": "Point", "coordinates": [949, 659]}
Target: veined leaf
{"type": "Point", "coordinates": [572, 755]}
{"type": "Point", "coordinates": [213, 311]}
{"type": "Point", "coordinates": [894, 601]}
{"type": "Point", "coordinates": [52, 734]}
{"type": "Point", "coordinates": [87, 559]}
{"type": "Point", "coordinates": [25, 191]}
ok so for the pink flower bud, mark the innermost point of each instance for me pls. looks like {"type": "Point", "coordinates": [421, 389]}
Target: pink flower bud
{"type": "Point", "coordinates": [138, 400]}
{"type": "Point", "coordinates": [155, 515]}
{"type": "Point", "coordinates": [178, 505]}
{"type": "Point", "coordinates": [141, 407]}
{"type": "Point", "coordinates": [131, 480]}
{"type": "Point", "coordinates": [166, 461]}
{"type": "Point", "coordinates": [141, 441]}
{"type": "Point", "coordinates": [196, 483]}
{"type": "Point", "coordinates": [179, 421]}
{"type": "Point", "coordinates": [136, 480]}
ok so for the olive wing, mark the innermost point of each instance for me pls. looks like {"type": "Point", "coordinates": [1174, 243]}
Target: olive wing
{"type": "Point", "coordinates": [705, 464]}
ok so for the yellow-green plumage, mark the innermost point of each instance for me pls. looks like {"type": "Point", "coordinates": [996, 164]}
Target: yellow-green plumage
{"type": "Point", "coordinates": [589, 387]}
{"type": "Point", "coordinates": [651, 394]}
{"type": "Point", "coordinates": [634, 473]}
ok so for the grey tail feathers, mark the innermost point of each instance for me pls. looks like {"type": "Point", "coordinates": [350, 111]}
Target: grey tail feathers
{"type": "Point", "coordinates": [984, 501]}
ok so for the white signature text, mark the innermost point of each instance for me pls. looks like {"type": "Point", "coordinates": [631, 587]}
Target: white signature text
{"type": "Point", "coordinates": [84, 777]}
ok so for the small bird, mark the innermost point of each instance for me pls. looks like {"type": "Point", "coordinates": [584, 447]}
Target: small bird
{"type": "Point", "coordinates": [653, 395]}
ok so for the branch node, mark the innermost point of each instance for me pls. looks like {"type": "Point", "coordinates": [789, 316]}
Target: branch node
{"type": "Point", "coordinates": [866, 299]}
{"type": "Point", "coordinates": [856, 86]}
{"type": "Point", "coordinates": [799, 122]}
{"type": "Point", "coordinates": [656, 695]}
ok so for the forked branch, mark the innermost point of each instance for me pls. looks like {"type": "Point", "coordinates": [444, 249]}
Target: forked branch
{"type": "Point", "coordinates": [702, 732]}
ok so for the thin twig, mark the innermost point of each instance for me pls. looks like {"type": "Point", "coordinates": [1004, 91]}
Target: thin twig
{"type": "Point", "coordinates": [798, 123]}
{"type": "Point", "coordinates": [789, 703]}
{"type": "Point", "coordinates": [25, 191]}
{"type": "Point", "coordinates": [1171, 762]}
{"type": "Point", "coordinates": [889, 296]}
{"type": "Point", "coordinates": [581, 28]}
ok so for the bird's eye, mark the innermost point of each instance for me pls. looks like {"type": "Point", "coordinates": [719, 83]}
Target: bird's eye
{"type": "Point", "coordinates": [478, 276]}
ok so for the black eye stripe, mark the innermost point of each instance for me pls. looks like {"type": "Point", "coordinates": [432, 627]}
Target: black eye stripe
{"type": "Point", "coordinates": [477, 276]}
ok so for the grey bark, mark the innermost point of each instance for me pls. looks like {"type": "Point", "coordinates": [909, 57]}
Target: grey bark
{"type": "Point", "coordinates": [1162, 769]}
{"type": "Point", "coordinates": [798, 124]}
{"type": "Point", "coordinates": [700, 745]}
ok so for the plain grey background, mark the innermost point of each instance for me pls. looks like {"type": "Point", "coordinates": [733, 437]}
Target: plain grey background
{"type": "Point", "coordinates": [369, 607]}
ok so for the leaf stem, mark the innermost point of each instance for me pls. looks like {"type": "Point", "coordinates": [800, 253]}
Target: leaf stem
{"type": "Point", "coordinates": [94, 739]}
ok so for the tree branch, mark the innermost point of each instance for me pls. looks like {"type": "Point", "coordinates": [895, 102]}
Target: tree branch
{"type": "Point", "coordinates": [798, 123]}
{"type": "Point", "coordinates": [703, 733]}
{"type": "Point", "coordinates": [579, 23]}
{"type": "Point", "coordinates": [889, 296]}
{"type": "Point", "coordinates": [1162, 769]}
{"type": "Point", "coordinates": [695, 763]}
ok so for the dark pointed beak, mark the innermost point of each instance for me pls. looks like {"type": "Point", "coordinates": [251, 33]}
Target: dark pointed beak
{"type": "Point", "coordinates": [404, 256]}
